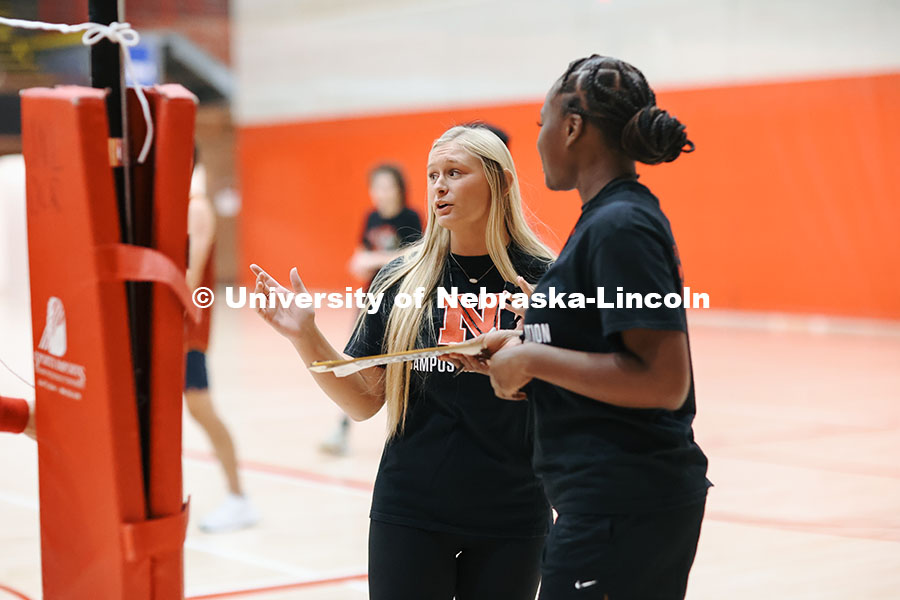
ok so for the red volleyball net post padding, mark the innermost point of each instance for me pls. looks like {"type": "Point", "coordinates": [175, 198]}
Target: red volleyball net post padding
{"type": "Point", "coordinates": [113, 518]}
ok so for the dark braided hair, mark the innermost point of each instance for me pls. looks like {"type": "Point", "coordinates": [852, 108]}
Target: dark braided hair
{"type": "Point", "coordinates": [616, 98]}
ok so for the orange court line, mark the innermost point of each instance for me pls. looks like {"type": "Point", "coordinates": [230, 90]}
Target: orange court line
{"type": "Point", "coordinates": [14, 593]}
{"type": "Point", "coordinates": [279, 588]}
{"type": "Point", "coordinates": [846, 530]}
{"type": "Point", "coordinates": [300, 474]}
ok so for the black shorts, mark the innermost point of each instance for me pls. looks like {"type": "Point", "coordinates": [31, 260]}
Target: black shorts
{"type": "Point", "coordinates": [621, 557]}
{"type": "Point", "coordinates": [406, 563]}
{"type": "Point", "coordinates": [195, 371]}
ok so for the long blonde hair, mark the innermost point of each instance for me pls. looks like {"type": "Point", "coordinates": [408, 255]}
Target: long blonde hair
{"type": "Point", "coordinates": [422, 265]}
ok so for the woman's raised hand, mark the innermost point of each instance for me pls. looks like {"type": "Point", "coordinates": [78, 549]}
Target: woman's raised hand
{"type": "Point", "coordinates": [284, 316]}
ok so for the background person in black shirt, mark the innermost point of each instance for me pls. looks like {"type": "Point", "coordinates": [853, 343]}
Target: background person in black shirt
{"type": "Point", "coordinates": [390, 226]}
{"type": "Point", "coordinates": [457, 510]}
{"type": "Point", "coordinates": [612, 388]}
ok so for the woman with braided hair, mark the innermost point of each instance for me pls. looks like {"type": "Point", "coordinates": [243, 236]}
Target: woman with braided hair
{"type": "Point", "coordinates": [612, 388]}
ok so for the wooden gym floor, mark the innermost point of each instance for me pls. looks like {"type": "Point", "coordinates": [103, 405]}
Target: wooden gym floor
{"type": "Point", "coordinates": [800, 418]}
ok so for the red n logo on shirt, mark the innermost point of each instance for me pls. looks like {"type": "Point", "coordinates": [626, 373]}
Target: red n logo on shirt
{"type": "Point", "coordinates": [458, 320]}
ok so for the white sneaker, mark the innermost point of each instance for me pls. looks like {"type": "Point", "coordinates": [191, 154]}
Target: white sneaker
{"type": "Point", "coordinates": [236, 512]}
{"type": "Point", "coordinates": [336, 444]}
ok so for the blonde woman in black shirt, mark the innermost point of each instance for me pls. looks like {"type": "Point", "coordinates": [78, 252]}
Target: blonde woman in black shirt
{"type": "Point", "coordinates": [457, 510]}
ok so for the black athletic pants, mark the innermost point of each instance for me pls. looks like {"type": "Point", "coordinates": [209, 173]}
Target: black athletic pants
{"type": "Point", "coordinates": [406, 563]}
{"type": "Point", "coordinates": [621, 557]}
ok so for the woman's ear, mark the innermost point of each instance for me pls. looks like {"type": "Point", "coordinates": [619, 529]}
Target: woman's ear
{"type": "Point", "coordinates": [574, 127]}
{"type": "Point", "coordinates": [508, 179]}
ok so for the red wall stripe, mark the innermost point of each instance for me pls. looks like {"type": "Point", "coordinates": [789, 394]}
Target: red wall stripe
{"type": "Point", "coordinates": [787, 205]}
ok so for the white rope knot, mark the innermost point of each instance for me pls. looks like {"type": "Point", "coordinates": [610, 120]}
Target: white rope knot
{"type": "Point", "coordinates": [117, 33]}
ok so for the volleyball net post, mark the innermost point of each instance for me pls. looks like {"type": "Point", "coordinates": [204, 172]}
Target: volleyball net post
{"type": "Point", "coordinates": [107, 243]}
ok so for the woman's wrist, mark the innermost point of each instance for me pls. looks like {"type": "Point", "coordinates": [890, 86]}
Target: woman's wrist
{"type": "Point", "coordinates": [309, 341]}
{"type": "Point", "coordinates": [528, 357]}
{"type": "Point", "coordinates": [296, 338]}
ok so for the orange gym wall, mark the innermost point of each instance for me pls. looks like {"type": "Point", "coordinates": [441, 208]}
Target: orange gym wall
{"type": "Point", "coordinates": [788, 204]}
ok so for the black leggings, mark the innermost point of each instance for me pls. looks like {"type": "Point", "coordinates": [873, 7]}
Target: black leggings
{"type": "Point", "coordinates": [414, 564]}
{"type": "Point", "coordinates": [621, 557]}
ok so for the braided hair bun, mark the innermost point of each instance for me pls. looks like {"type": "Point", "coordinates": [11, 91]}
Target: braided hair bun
{"type": "Point", "coordinates": [653, 136]}
{"type": "Point", "coordinates": [615, 96]}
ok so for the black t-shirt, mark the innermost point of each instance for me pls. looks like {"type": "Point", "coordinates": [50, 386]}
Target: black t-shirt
{"type": "Point", "coordinates": [594, 457]}
{"type": "Point", "coordinates": [400, 230]}
{"type": "Point", "coordinates": [463, 462]}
